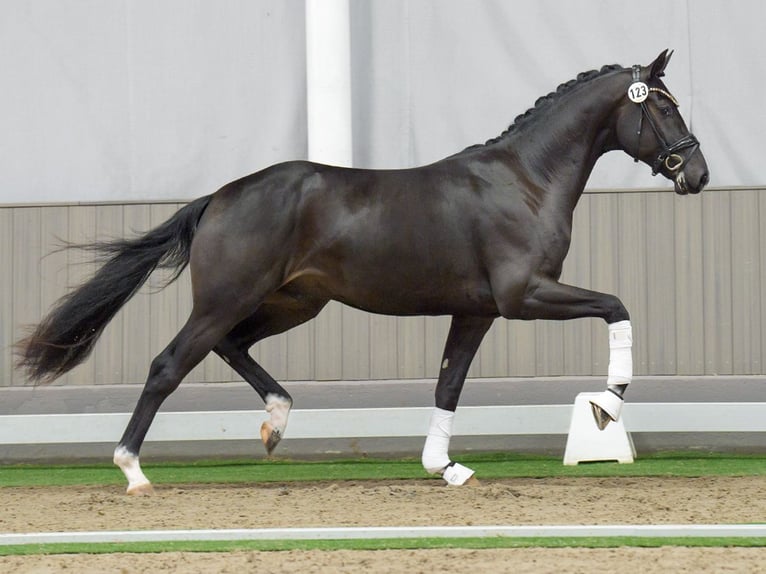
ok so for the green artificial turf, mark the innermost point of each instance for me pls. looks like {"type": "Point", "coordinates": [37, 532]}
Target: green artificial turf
{"type": "Point", "coordinates": [487, 466]}
{"type": "Point", "coordinates": [379, 544]}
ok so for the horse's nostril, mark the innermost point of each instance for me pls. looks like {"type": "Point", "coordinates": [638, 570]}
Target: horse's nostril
{"type": "Point", "coordinates": [704, 179]}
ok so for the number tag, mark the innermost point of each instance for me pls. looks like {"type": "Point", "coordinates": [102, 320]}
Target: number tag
{"type": "Point", "coordinates": [638, 92]}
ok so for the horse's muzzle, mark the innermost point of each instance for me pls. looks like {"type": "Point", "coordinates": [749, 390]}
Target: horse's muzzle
{"type": "Point", "coordinates": [685, 185]}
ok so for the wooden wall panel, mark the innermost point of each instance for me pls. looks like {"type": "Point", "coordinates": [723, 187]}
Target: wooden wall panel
{"type": "Point", "coordinates": [384, 358]}
{"type": "Point", "coordinates": [410, 339]}
{"type": "Point", "coordinates": [688, 295]}
{"type": "Point", "coordinates": [762, 260]}
{"type": "Point", "coordinates": [692, 272]}
{"type": "Point", "coordinates": [656, 345]}
{"type": "Point", "coordinates": [355, 344]}
{"type": "Point", "coordinates": [716, 286]}
{"type": "Point", "coordinates": [25, 251]}
{"type": "Point", "coordinates": [328, 354]}
{"type": "Point", "coordinates": [8, 324]}
{"type": "Point", "coordinates": [746, 305]}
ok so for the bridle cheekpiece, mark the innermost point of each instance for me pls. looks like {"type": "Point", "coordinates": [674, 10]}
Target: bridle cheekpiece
{"type": "Point", "coordinates": [638, 92]}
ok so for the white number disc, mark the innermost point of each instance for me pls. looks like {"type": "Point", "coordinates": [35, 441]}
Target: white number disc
{"type": "Point", "coordinates": [638, 92]}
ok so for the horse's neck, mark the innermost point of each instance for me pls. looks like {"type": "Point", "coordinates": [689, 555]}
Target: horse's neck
{"type": "Point", "coordinates": [559, 150]}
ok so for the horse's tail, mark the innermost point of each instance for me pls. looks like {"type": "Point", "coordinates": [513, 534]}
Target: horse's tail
{"type": "Point", "coordinates": [66, 336]}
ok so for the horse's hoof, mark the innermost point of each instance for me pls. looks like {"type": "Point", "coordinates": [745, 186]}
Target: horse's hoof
{"type": "Point", "coordinates": [270, 436]}
{"type": "Point", "coordinates": [143, 489]}
{"type": "Point", "coordinates": [606, 407]}
{"type": "Point", "coordinates": [473, 481]}
{"type": "Point", "coordinates": [601, 417]}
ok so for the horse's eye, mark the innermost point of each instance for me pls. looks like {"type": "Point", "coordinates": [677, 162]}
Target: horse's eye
{"type": "Point", "coordinates": [666, 110]}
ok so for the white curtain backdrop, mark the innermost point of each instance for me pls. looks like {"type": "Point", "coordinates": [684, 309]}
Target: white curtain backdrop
{"type": "Point", "coordinates": [149, 100]}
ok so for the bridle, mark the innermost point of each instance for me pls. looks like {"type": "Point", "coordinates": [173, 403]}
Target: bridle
{"type": "Point", "coordinates": [669, 155]}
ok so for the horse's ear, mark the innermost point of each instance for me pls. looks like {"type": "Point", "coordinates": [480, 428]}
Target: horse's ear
{"type": "Point", "coordinates": [657, 68]}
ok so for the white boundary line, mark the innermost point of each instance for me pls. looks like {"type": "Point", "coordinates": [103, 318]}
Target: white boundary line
{"type": "Point", "coordinates": [393, 532]}
{"type": "Point", "coordinates": [377, 422]}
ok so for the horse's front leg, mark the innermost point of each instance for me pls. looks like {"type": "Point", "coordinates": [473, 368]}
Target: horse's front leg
{"type": "Point", "coordinates": [465, 335]}
{"type": "Point", "coordinates": [548, 299]}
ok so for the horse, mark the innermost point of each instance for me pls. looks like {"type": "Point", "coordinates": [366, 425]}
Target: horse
{"type": "Point", "coordinates": [478, 235]}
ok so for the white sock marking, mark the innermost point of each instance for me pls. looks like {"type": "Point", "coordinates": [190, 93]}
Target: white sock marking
{"type": "Point", "coordinates": [131, 468]}
{"type": "Point", "coordinates": [279, 408]}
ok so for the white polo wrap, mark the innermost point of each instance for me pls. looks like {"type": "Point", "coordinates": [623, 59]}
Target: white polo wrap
{"type": "Point", "coordinates": [620, 353]}
{"type": "Point", "coordinates": [435, 457]}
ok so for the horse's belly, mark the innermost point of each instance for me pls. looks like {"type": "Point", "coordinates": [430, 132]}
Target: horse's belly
{"type": "Point", "coordinates": [434, 297]}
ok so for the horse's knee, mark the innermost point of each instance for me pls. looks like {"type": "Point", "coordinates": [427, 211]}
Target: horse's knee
{"type": "Point", "coordinates": [511, 305]}
{"type": "Point", "coordinates": [615, 310]}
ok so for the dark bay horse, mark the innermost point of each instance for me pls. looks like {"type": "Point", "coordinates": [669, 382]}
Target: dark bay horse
{"type": "Point", "coordinates": [478, 235]}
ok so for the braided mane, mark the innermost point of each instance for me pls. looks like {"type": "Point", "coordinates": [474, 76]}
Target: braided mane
{"type": "Point", "coordinates": [544, 102]}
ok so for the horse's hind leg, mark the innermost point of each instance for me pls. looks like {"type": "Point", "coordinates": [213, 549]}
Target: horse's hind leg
{"type": "Point", "coordinates": [188, 348]}
{"type": "Point", "coordinates": [267, 321]}
{"type": "Point", "coordinates": [278, 401]}
{"type": "Point", "coordinates": [465, 336]}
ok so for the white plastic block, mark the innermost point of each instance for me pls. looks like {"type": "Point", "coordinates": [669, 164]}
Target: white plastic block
{"type": "Point", "coordinates": [586, 443]}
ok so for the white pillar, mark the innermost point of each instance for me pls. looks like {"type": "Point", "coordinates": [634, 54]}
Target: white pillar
{"type": "Point", "coordinates": [328, 81]}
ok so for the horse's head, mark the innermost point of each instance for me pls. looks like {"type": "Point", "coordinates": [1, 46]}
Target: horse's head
{"type": "Point", "coordinates": [650, 128]}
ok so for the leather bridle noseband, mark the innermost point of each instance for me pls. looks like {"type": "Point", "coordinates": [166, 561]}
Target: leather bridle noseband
{"type": "Point", "coordinates": [669, 155]}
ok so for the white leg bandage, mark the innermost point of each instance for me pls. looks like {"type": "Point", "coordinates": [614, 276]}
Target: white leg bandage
{"type": "Point", "coordinates": [435, 452]}
{"type": "Point", "coordinates": [435, 457]}
{"type": "Point", "coordinates": [620, 353]}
